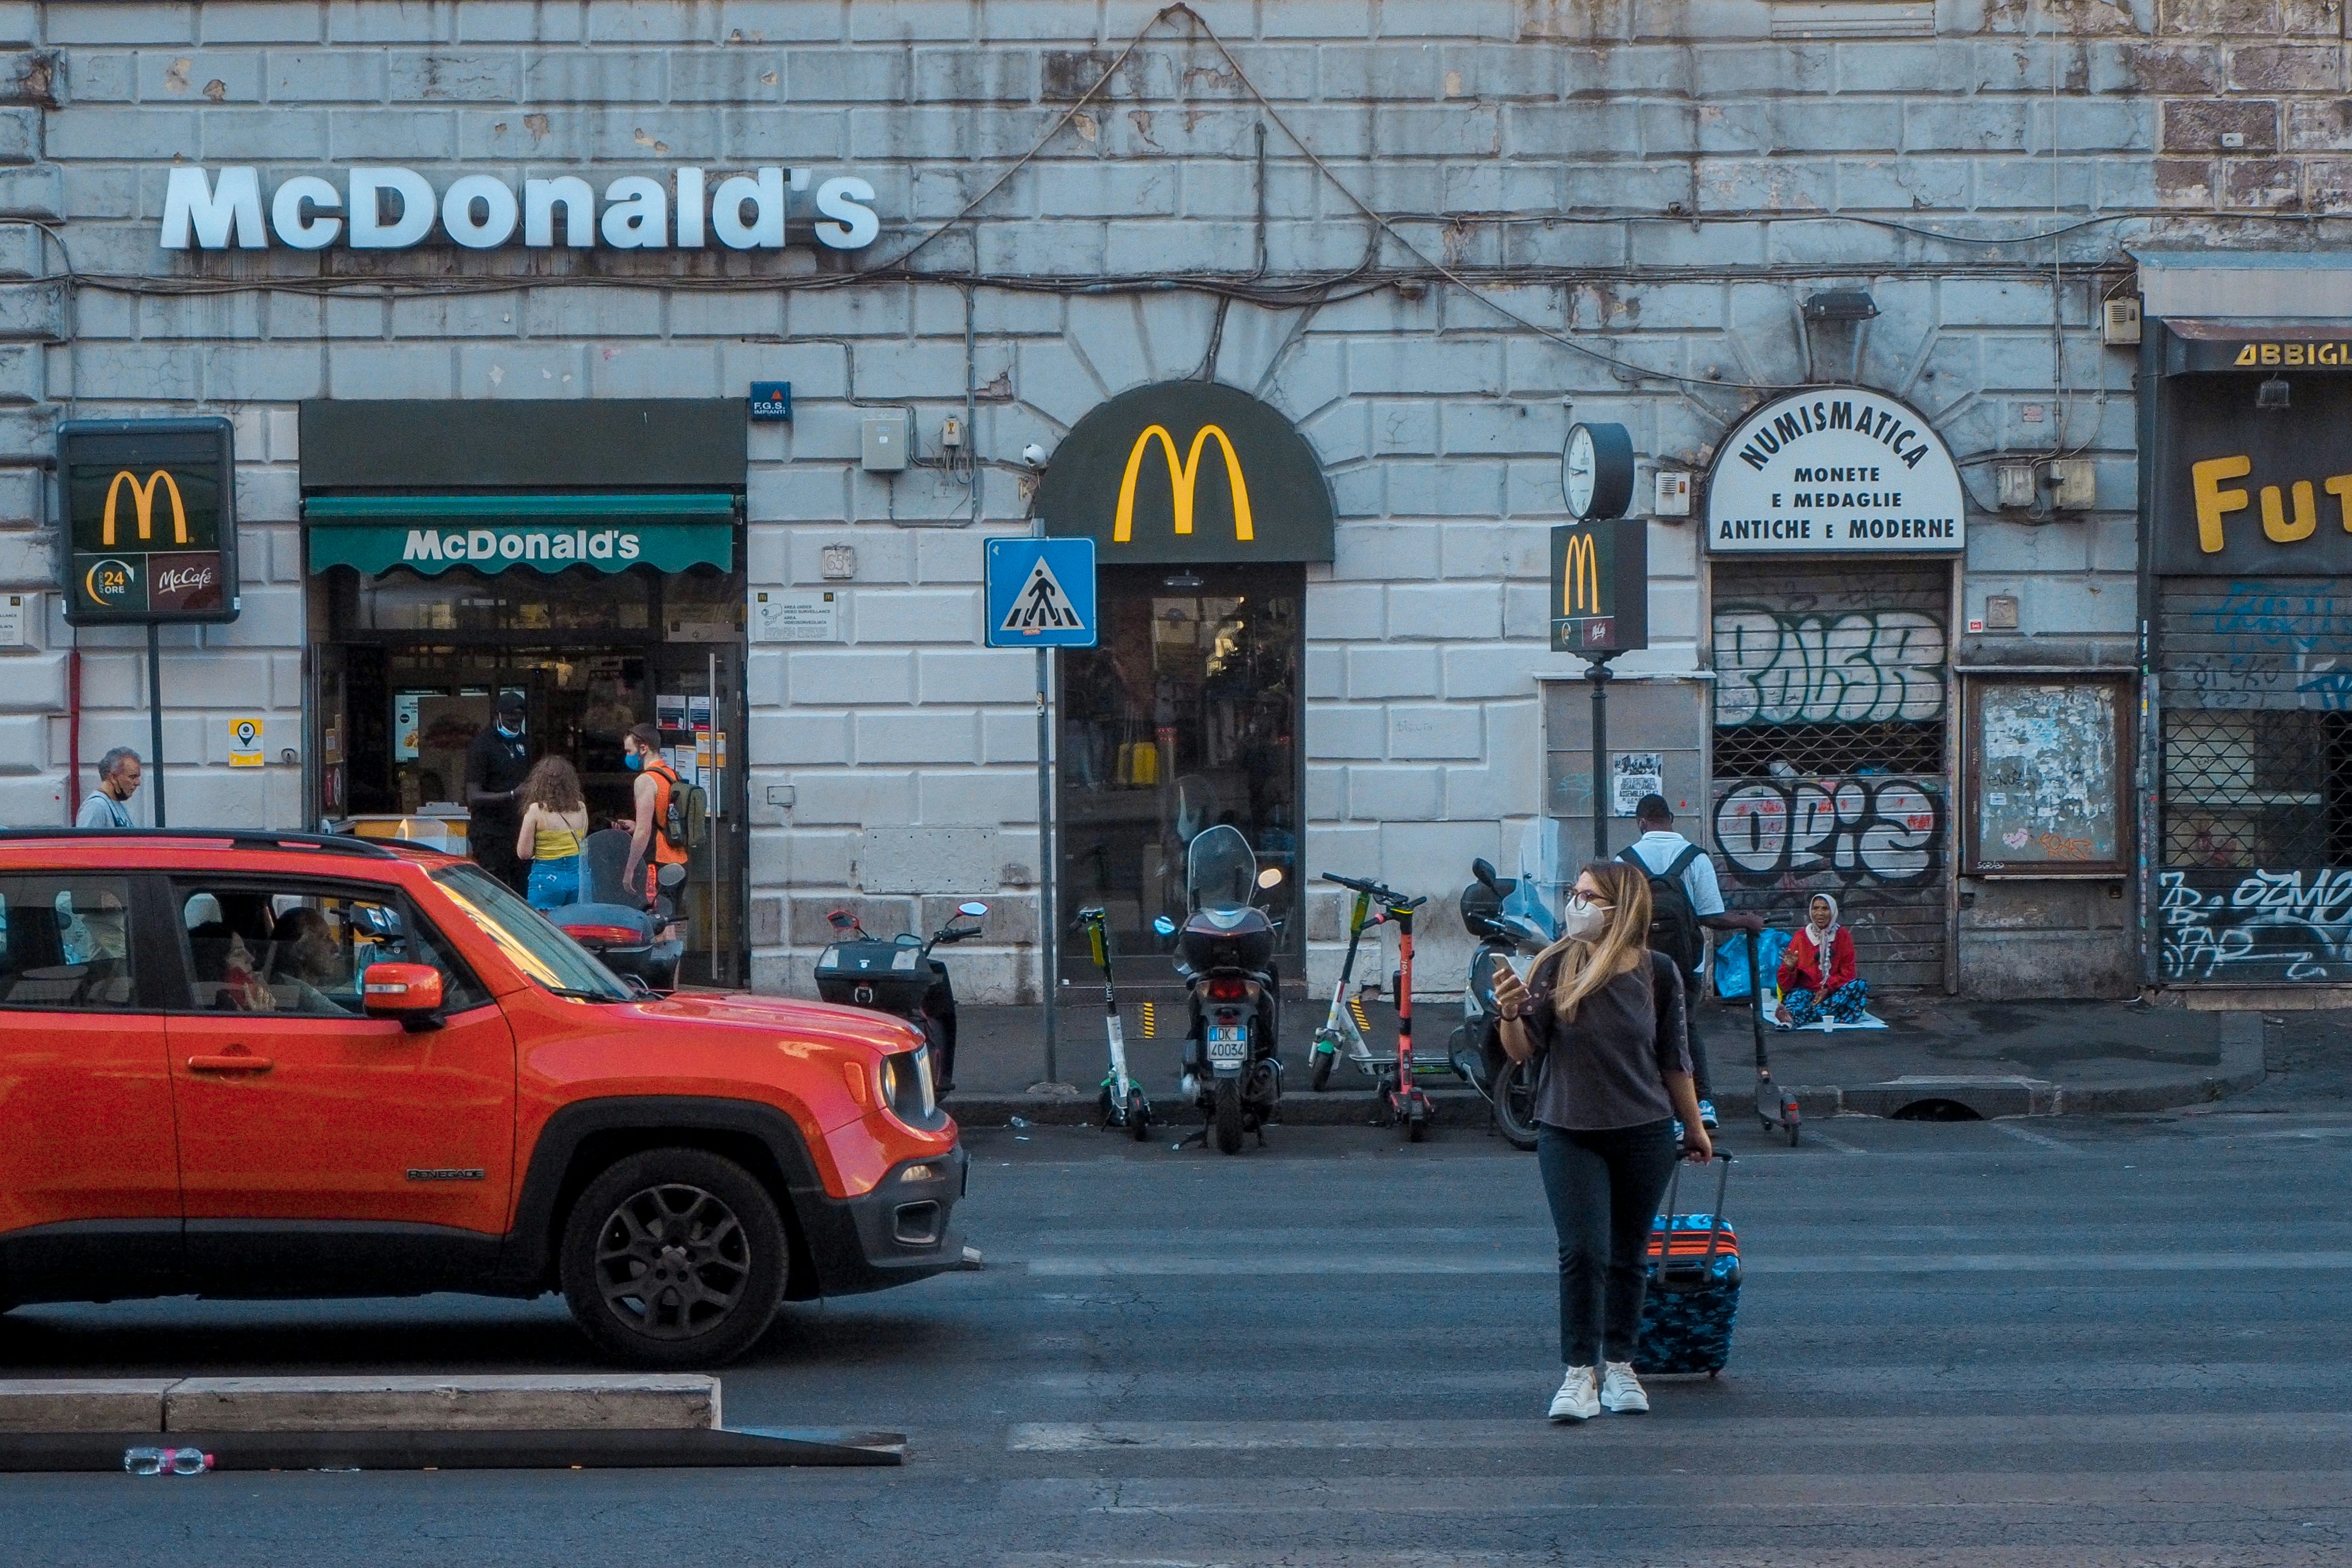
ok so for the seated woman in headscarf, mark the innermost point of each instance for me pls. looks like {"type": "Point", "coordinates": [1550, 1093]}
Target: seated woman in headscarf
{"type": "Point", "coordinates": [1817, 978]}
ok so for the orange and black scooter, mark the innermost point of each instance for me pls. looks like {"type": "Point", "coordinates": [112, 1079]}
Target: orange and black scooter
{"type": "Point", "coordinates": [1401, 1099]}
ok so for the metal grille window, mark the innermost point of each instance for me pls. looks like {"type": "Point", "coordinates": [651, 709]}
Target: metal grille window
{"type": "Point", "coordinates": [2255, 685]}
{"type": "Point", "coordinates": [1831, 702]}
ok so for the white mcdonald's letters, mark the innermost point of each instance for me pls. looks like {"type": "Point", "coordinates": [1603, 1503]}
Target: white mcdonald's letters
{"type": "Point", "coordinates": [386, 208]}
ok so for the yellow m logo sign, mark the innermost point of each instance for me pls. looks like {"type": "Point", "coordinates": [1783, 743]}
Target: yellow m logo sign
{"type": "Point", "coordinates": [1580, 578]}
{"type": "Point", "coordinates": [1181, 480]}
{"type": "Point", "coordinates": [142, 501]}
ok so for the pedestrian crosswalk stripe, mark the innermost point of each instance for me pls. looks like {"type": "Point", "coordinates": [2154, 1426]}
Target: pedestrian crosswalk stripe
{"type": "Point", "coordinates": [1042, 605]}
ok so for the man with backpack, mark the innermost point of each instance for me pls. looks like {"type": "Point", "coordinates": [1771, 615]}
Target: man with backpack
{"type": "Point", "coordinates": [1683, 901]}
{"type": "Point", "coordinates": [657, 834]}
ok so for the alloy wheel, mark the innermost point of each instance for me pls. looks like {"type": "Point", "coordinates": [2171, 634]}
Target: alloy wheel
{"type": "Point", "coordinates": [672, 1262]}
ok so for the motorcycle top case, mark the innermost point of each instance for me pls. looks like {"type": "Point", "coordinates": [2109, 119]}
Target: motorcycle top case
{"type": "Point", "coordinates": [890, 976]}
{"type": "Point", "coordinates": [1228, 939]}
{"type": "Point", "coordinates": [1692, 1299]}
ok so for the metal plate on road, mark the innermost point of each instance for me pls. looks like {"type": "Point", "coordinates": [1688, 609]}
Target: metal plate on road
{"type": "Point", "coordinates": [1041, 593]}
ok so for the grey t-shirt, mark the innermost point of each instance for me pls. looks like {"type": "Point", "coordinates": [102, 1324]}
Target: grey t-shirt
{"type": "Point", "coordinates": [1608, 1069]}
{"type": "Point", "coordinates": [102, 810]}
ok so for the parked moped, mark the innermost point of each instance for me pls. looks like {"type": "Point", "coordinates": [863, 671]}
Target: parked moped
{"type": "Point", "coordinates": [640, 942]}
{"type": "Point", "coordinates": [1225, 954]}
{"type": "Point", "coordinates": [1513, 922]}
{"type": "Point", "coordinates": [898, 977]}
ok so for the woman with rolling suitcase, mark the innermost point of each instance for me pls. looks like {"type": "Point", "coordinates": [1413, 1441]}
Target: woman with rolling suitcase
{"type": "Point", "coordinates": [1603, 1016]}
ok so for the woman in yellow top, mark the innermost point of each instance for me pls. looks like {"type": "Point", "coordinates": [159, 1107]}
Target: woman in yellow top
{"type": "Point", "coordinates": [554, 820]}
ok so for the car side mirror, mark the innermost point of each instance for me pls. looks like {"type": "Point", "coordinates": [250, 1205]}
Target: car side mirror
{"type": "Point", "coordinates": [409, 992]}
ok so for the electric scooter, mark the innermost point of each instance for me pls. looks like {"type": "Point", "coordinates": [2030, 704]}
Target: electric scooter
{"type": "Point", "coordinates": [1775, 1106]}
{"type": "Point", "coordinates": [1401, 1099]}
{"type": "Point", "coordinates": [1123, 1105]}
{"type": "Point", "coordinates": [1342, 1033]}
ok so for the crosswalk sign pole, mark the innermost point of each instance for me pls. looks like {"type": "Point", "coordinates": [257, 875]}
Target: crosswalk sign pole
{"type": "Point", "coordinates": [1049, 932]}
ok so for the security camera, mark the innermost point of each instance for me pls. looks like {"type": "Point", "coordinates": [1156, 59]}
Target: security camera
{"type": "Point", "coordinates": [1033, 455]}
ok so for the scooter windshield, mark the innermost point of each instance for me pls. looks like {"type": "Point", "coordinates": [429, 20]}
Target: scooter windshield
{"type": "Point", "coordinates": [1544, 876]}
{"type": "Point", "coordinates": [1220, 871]}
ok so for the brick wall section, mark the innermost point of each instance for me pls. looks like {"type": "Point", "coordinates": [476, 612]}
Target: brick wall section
{"type": "Point", "coordinates": [1482, 124]}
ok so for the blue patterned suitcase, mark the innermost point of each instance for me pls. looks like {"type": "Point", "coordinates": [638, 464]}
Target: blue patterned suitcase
{"type": "Point", "coordinates": [1692, 1298]}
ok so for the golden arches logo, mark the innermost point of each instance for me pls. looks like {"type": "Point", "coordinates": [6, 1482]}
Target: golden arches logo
{"type": "Point", "coordinates": [1580, 578]}
{"type": "Point", "coordinates": [1182, 477]}
{"type": "Point", "coordinates": [142, 501]}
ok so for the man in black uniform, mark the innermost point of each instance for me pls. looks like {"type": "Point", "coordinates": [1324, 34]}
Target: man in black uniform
{"type": "Point", "coordinates": [496, 764]}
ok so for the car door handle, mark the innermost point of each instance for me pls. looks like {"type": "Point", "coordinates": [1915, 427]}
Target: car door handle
{"type": "Point", "coordinates": [238, 1063]}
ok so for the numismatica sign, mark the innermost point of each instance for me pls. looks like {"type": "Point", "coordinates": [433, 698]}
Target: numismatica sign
{"type": "Point", "coordinates": [1834, 471]}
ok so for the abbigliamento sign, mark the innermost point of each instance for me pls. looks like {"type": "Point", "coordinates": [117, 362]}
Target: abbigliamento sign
{"type": "Point", "coordinates": [151, 524]}
{"type": "Point", "coordinates": [1188, 471]}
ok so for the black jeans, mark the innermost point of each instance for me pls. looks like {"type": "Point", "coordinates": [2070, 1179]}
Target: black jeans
{"type": "Point", "coordinates": [1603, 1189]}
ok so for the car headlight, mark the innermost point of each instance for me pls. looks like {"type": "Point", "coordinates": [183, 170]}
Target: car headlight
{"type": "Point", "coordinates": [906, 1083]}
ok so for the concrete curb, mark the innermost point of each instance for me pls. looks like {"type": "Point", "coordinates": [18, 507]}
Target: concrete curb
{"type": "Point", "coordinates": [472, 1421]}
{"type": "Point", "coordinates": [2239, 1068]}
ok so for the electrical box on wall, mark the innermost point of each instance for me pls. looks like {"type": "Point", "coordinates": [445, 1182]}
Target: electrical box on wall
{"type": "Point", "coordinates": [885, 440]}
{"type": "Point", "coordinates": [1674, 493]}
{"type": "Point", "coordinates": [2013, 484]}
{"type": "Point", "coordinates": [2074, 483]}
{"type": "Point", "coordinates": [2119, 327]}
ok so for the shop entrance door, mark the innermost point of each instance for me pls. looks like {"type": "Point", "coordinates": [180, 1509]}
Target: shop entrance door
{"type": "Point", "coordinates": [417, 668]}
{"type": "Point", "coordinates": [1185, 714]}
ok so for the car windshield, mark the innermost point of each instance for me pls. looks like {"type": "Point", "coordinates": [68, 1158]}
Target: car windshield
{"type": "Point", "coordinates": [529, 939]}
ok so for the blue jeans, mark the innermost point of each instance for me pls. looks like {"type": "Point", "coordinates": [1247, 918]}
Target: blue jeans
{"type": "Point", "coordinates": [554, 883]}
{"type": "Point", "coordinates": [1842, 1006]}
{"type": "Point", "coordinates": [1603, 1189]}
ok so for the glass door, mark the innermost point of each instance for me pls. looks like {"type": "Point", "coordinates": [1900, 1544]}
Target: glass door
{"type": "Point", "coordinates": [698, 705]}
{"type": "Point", "coordinates": [1185, 716]}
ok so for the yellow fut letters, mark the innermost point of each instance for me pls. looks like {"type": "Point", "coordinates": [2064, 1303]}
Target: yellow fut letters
{"type": "Point", "coordinates": [1579, 584]}
{"type": "Point", "coordinates": [142, 501]}
{"type": "Point", "coordinates": [1181, 480]}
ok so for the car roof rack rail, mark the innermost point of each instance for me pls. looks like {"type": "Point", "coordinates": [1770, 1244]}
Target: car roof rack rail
{"type": "Point", "coordinates": [243, 838]}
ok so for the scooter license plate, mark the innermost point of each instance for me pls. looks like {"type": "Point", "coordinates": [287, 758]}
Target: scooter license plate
{"type": "Point", "coordinates": [1228, 1045]}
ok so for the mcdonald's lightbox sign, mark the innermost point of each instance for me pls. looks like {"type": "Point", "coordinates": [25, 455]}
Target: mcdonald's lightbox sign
{"type": "Point", "coordinates": [150, 520]}
{"type": "Point", "coordinates": [1600, 587]}
{"type": "Point", "coordinates": [1187, 472]}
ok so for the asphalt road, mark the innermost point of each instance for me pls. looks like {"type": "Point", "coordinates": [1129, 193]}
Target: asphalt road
{"type": "Point", "coordinates": [2076, 1342]}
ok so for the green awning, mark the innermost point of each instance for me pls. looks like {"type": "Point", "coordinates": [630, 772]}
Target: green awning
{"type": "Point", "coordinates": [549, 533]}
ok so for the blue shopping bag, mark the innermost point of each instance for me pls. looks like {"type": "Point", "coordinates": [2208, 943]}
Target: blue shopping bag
{"type": "Point", "coordinates": [1731, 977]}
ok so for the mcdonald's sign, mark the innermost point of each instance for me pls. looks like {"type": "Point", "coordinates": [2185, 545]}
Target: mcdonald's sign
{"type": "Point", "coordinates": [1184, 471]}
{"type": "Point", "coordinates": [1600, 587]}
{"type": "Point", "coordinates": [150, 521]}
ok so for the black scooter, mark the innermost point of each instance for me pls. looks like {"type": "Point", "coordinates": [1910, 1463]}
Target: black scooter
{"type": "Point", "coordinates": [1475, 1048]}
{"type": "Point", "coordinates": [898, 977]}
{"type": "Point", "coordinates": [638, 941]}
{"type": "Point", "coordinates": [1225, 954]}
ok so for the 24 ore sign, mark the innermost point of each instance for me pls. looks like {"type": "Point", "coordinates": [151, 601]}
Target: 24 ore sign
{"type": "Point", "coordinates": [150, 520]}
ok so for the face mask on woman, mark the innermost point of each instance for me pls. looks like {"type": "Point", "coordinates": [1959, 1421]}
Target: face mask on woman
{"type": "Point", "coordinates": [1585, 919]}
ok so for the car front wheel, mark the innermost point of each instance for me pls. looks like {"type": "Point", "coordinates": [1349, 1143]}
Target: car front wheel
{"type": "Point", "coordinates": [674, 1258]}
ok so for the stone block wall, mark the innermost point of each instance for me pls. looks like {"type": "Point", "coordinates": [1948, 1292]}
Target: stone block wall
{"type": "Point", "coordinates": [1633, 199]}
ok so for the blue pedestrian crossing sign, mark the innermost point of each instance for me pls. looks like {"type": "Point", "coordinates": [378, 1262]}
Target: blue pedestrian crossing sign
{"type": "Point", "coordinates": [1041, 593]}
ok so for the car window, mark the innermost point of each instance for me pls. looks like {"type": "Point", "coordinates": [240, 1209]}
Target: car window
{"type": "Point", "coordinates": [301, 948]}
{"type": "Point", "coordinates": [530, 940]}
{"type": "Point", "coordinates": [64, 943]}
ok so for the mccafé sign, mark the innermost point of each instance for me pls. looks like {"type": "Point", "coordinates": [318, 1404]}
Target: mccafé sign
{"type": "Point", "coordinates": [1188, 471]}
{"type": "Point", "coordinates": [150, 528]}
{"type": "Point", "coordinates": [380, 207]}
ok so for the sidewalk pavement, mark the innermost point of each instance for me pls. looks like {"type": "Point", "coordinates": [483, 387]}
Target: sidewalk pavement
{"type": "Point", "coordinates": [1939, 1057]}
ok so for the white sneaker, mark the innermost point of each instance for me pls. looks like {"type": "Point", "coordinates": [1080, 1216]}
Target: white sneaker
{"type": "Point", "coordinates": [1575, 1401]}
{"type": "Point", "coordinates": [1621, 1391]}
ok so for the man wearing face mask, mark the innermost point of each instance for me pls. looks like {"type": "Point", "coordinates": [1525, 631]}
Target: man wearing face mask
{"type": "Point", "coordinates": [649, 836]}
{"type": "Point", "coordinates": [496, 765]}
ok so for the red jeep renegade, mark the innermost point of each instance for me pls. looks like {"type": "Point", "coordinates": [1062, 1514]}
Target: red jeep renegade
{"type": "Point", "coordinates": [272, 1064]}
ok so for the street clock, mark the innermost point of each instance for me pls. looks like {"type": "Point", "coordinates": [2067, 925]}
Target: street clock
{"type": "Point", "coordinates": [1596, 471]}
